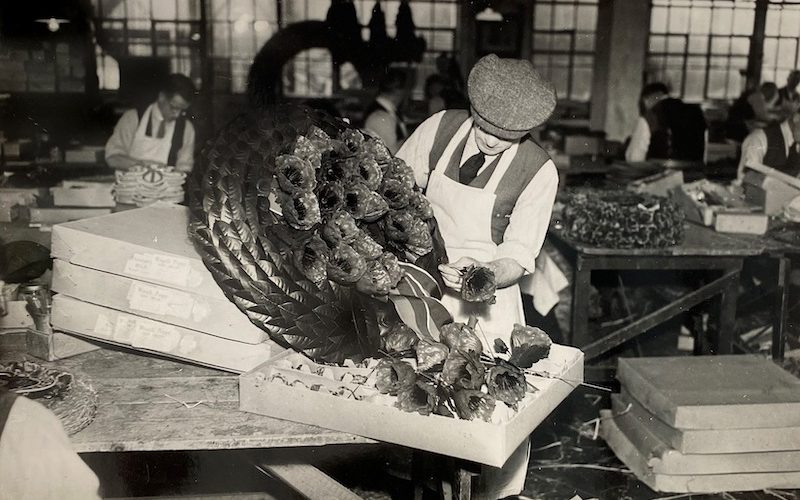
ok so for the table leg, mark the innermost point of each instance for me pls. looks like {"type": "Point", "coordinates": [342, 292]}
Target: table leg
{"type": "Point", "coordinates": [581, 286]}
{"type": "Point", "coordinates": [722, 342]}
{"type": "Point", "coordinates": [781, 312]}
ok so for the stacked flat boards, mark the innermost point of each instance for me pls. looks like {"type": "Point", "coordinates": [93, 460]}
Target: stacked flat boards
{"type": "Point", "coordinates": [133, 278]}
{"type": "Point", "coordinates": [706, 424]}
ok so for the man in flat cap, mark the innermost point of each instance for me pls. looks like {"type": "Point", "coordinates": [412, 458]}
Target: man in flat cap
{"type": "Point", "coordinates": [492, 190]}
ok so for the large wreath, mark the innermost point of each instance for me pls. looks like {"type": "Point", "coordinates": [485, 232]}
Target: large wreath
{"type": "Point", "coordinates": [304, 222]}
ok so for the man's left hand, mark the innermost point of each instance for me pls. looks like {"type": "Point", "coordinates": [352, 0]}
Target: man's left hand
{"type": "Point", "coordinates": [452, 274]}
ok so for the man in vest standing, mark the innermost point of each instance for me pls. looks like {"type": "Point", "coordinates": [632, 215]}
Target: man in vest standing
{"type": "Point", "coordinates": [160, 134]}
{"type": "Point", "coordinates": [383, 117]}
{"type": "Point", "coordinates": [492, 191]}
{"type": "Point", "coordinates": [776, 146]}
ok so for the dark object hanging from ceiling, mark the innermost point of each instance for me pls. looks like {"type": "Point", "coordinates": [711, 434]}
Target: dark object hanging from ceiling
{"type": "Point", "coordinates": [408, 47]}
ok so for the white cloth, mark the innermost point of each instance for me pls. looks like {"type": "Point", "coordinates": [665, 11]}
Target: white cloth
{"type": "Point", "coordinates": [128, 139]}
{"type": "Point", "coordinates": [527, 228]}
{"type": "Point", "coordinates": [754, 147]}
{"type": "Point", "coordinates": [639, 143]}
{"type": "Point", "coordinates": [37, 460]}
{"type": "Point", "coordinates": [385, 122]}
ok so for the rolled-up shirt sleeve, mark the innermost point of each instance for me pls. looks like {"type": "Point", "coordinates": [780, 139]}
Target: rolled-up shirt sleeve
{"type": "Point", "coordinates": [121, 139]}
{"type": "Point", "coordinates": [754, 148]}
{"type": "Point", "coordinates": [527, 227]}
{"type": "Point", "coordinates": [640, 142]}
{"type": "Point", "coordinates": [185, 159]}
{"type": "Point", "coordinates": [416, 150]}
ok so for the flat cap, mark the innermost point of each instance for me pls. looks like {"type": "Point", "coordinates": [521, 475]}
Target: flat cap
{"type": "Point", "coordinates": [509, 97]}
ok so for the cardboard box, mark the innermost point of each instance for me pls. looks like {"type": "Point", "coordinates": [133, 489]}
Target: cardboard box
{"type": "Point", "coordinates": [662, 459]}
{"type": "Point", "coordinates": [83, 194]}
{"type": "Point", "coordinates": [742, 223]}
{"type": "Point", "coordinates": [101, 323]}
{"type": "Point", "coordinates": [660, 184]}
{"type": "Point", "coordinates": [477, 441]}
{"type": "Point", "coordinates": [59, 215]}
{"type": "Point", "coordinates": [17, 316]}
{"type": "Point", "coordinates": [86, 154]}
{"type": "Point", "coordinates": [51, 346]}
{"type": "Point", "coordinates": [713, 392]}
{"type": "Point", "coordinates": [767, 192]}
{"type": "Point", "coordinates": [214, 316]}
{"type": "Point", "coordinates": [24, 197]}
{"type": "Point", "coordinates": [8, 213]}
{"type": "Point", "coordinates": [638, 463]}
{"type": "Point", "coordinates": [710, 441]}
{"type": "Point", "coordinates": [712, 204]}
{"type": "Point", "coordinates": [148, 244]}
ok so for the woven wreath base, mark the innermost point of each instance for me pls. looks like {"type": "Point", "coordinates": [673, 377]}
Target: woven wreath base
{"type": "Point", "coordinates": [77, 408]}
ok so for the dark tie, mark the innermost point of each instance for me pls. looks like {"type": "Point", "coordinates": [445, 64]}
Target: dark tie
{"type": "Point", "coordinates": [162, 129]}
{"type": "Point", "coordinates": [793, 160]}
{"type": "Point", "coordinates": [469, 170]}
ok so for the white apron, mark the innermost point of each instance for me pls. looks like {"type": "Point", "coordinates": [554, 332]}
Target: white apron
{"type": "Point", "coordinates": [464, 215]}
{"type": "Point", "coordinates": [151, 149]}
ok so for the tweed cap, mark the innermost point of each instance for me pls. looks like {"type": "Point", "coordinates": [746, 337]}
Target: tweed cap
{"type": "Point", "coordinates": [508, 97]}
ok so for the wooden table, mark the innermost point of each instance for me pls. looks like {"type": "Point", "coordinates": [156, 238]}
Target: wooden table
{"type": "Point", "coordinates": [152, 404]}
{"type": "Point", "coordinates": [702, 250]}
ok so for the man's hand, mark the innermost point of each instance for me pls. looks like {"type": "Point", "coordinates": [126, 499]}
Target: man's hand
{"type": "Point", "coordinates": [452, 273]}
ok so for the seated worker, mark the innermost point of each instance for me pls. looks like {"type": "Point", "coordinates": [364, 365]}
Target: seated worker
{"type": "Point", "coordinates": [668, 128]}
{"type": "Point", "coordinates": [753, 109]}
{"type": "Point", "coordinates": [492, 190]}
{"type": "Point", "coordinates": [36, 456]}
{"type": "Point", "coordinates": [775, 146]}
{"type": "Point", "coordinates": [383, 117]}
{"type": "Point", "coordinates": [160, 134]}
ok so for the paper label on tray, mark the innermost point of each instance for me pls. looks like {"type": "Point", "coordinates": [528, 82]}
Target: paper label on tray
{"type": "Point", "coordinates": [123, 329]}
{"type": "Point", "coordinates": [164, 268]}
{"type": "Point", "coordinates": [161, 301]}
{"type": "Point", "coordinates": [103, 326]}
{"type": "Point", "coordinates": [154, 336]}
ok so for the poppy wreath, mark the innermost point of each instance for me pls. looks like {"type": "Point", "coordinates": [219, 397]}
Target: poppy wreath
{"type": "Point", "coordinates": [622, 219]}
{"type": "Point", "coordinates": [316, 232]}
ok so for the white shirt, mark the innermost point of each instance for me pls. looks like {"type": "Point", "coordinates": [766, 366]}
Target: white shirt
{"type": "Point", "coordinates": [754, 147]}
{"type": "Point", "coordinates": [121, 140]}
{"type": "Point", "coordinates": [384, 124]}
{"type": "Point", "coordinates": [530, 218]}
{"type": "Point", "coordinates": [640, 142]}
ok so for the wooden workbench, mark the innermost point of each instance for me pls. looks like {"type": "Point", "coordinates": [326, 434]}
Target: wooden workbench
{"type": "Point", "coordinates": [702, 250]}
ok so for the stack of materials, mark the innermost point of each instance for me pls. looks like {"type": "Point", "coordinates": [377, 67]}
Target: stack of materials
{"type": "Point", "coordinates": [75, 200]}
{"type": "Point", "coordinates": [142, 186]}
{"type": "Point", "coordinates": [134, 279]}
{"type": "Point", "coordinates": [706, 424]}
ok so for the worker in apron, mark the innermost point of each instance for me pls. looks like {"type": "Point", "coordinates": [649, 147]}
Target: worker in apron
{"type": "Point", "coordinates": [492, 191]}
{"type": "Point", "coordinates": [159, 134]}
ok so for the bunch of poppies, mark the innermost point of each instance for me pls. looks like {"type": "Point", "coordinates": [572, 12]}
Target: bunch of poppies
{"type": "Point", "coordinates": [453, 376]}
{"type": "Point", "coordinates": [622, 219]}
{"type": "Point", "coordinates": [350, 209]}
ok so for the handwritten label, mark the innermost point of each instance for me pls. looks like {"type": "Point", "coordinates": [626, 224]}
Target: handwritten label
{"type": "Point", "coordinates": [103, 326]}
{"type": "Point", "coordinates": [155, 336]}
{"type": "Point", "coordinates": [161, 301]}
{"type": "Point", "coordinates": [123, 329]}
{"type": "Point", "coordinates": [162, 268]}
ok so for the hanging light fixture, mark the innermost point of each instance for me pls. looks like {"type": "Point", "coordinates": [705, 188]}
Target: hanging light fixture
{"type": "Point", "coordinates": [53, 23]}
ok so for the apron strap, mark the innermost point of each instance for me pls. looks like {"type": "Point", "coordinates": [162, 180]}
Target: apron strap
{"type": "Point", "coordinates": [451, 121]}
{"type": "Point", "coordinates": [177, 139]}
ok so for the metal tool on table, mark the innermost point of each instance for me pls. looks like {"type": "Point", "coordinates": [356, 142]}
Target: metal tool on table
{"type": "Point", "coordinates": [39, 303]}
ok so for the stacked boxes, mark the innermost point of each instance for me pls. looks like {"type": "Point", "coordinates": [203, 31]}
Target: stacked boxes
{"type": "Point", "coordinates": [133, 278]}
{"type": "Point", "coordinates": [706, 424]}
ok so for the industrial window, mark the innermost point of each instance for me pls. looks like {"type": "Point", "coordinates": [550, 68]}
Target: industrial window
{"type": "Point", "coordinates": [699, 48]}
{"type": "Point", "coordinates": [782, 33]}
{"type": "Point", "coordinates": [168, 29]}
{"type": "Point", "coordinates": [563, 44]}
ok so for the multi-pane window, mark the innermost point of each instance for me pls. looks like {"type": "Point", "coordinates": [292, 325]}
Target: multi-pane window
{"type": "Point", "coordinates": [309, 73]}
{"type": "Point", "coordinates": [168, 29]}
{"type": "Point", "coordinates": [238, 28]}
{"type": "Point", "coordinates": [564, 43]}
{"type": "Point", "coordinates": [782, 34]}
{"type": "Point", "coordinates": [699, 48]}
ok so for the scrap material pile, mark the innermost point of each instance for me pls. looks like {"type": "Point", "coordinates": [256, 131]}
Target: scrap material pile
{"type": "Point", "coordinates": [134, 279]}
{"type": "Point", "coordinates": [706, 424]}
{"type": "Point", "coordinates": [145, 185]}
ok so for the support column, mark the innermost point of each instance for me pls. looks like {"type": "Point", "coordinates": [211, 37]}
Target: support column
{"type": "Point", "coordinates": [620, 48]}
